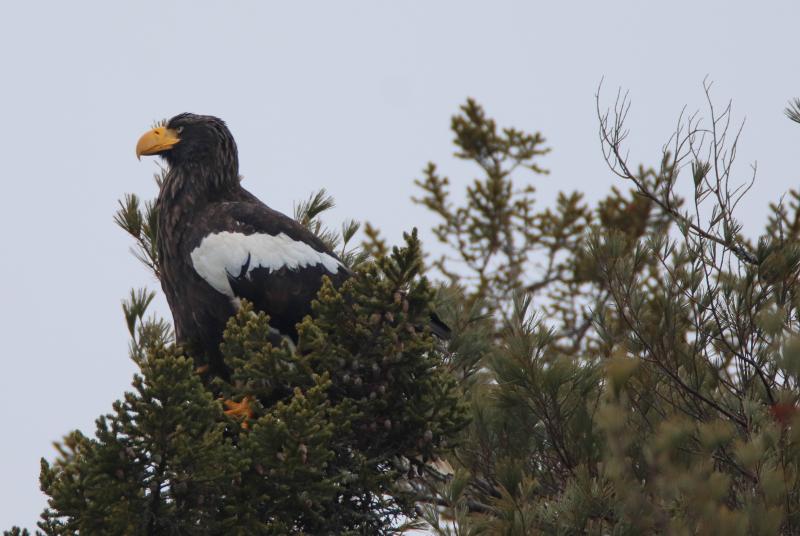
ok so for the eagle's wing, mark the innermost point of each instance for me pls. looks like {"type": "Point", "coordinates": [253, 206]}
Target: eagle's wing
{"type": "Point", "coordinates": [255, 253]}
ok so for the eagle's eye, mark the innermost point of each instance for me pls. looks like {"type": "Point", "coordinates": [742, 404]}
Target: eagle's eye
{"type": "Point", "coordinates": [179, 130]}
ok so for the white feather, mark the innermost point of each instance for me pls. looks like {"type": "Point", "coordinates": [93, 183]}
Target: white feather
{"type": "Point", "coordinates": [222, 254]}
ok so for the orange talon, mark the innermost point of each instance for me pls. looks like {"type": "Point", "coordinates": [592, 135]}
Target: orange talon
{"type": "Point", "coordinates": [240, 410]}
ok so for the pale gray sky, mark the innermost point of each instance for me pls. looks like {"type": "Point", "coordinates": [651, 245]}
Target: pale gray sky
{"type": "Point", "coordinates": [352, 96]}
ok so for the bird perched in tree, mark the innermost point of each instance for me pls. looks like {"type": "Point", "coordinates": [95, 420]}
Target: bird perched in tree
{"type": "Point", "coordinates": [218, 244]}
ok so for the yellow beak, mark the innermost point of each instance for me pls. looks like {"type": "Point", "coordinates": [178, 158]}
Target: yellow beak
{"type": "Point", "coordinates": [156, 140]}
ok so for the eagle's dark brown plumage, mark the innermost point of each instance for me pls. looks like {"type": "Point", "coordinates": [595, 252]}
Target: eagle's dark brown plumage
{"type": "Point", "coordinates": [204, 211]}
{"type": "Point", "coordinates": [218, 244]}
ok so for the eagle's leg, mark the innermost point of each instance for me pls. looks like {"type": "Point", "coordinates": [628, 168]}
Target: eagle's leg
{"type": "Point", "coordinates": [239, 410]}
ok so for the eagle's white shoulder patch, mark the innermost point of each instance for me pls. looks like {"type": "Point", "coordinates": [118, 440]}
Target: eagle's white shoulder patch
{"type": "Point", "coordinates": [222, 254]}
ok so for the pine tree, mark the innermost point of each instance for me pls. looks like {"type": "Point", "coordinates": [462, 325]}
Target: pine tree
{"type": "Point", "coordinates": [335, 439]}
{"type": "Point", "coordinates": [632, 367]}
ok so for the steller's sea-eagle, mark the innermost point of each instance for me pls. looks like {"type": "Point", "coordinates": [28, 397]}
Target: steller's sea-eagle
{"type": "Point", "coordinates": [218, 244]}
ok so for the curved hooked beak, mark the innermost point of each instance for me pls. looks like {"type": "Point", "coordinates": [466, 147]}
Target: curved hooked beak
{"type": "Point", "coordinates": [156, 141]}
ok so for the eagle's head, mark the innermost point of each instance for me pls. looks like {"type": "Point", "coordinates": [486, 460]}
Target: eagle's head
{"type": "Point", "coordinates": [190, 140]}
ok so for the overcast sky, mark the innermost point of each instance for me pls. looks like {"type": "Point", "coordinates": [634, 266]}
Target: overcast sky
{"type": "Point", "coordinates": [352, 96]}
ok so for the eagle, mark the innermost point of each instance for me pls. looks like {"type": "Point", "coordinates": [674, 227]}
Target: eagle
{"type": "Point", "coordinates": [218, 244]}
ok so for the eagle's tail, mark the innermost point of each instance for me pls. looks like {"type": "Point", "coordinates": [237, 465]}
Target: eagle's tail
{"type": "Point", "coordinates": [439, 328]}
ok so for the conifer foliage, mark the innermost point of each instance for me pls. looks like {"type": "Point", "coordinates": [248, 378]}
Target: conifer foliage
{"type": "Point", "coordinates": [633, 368]}
{"type": "Point", "coordinates": [335, 440]}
